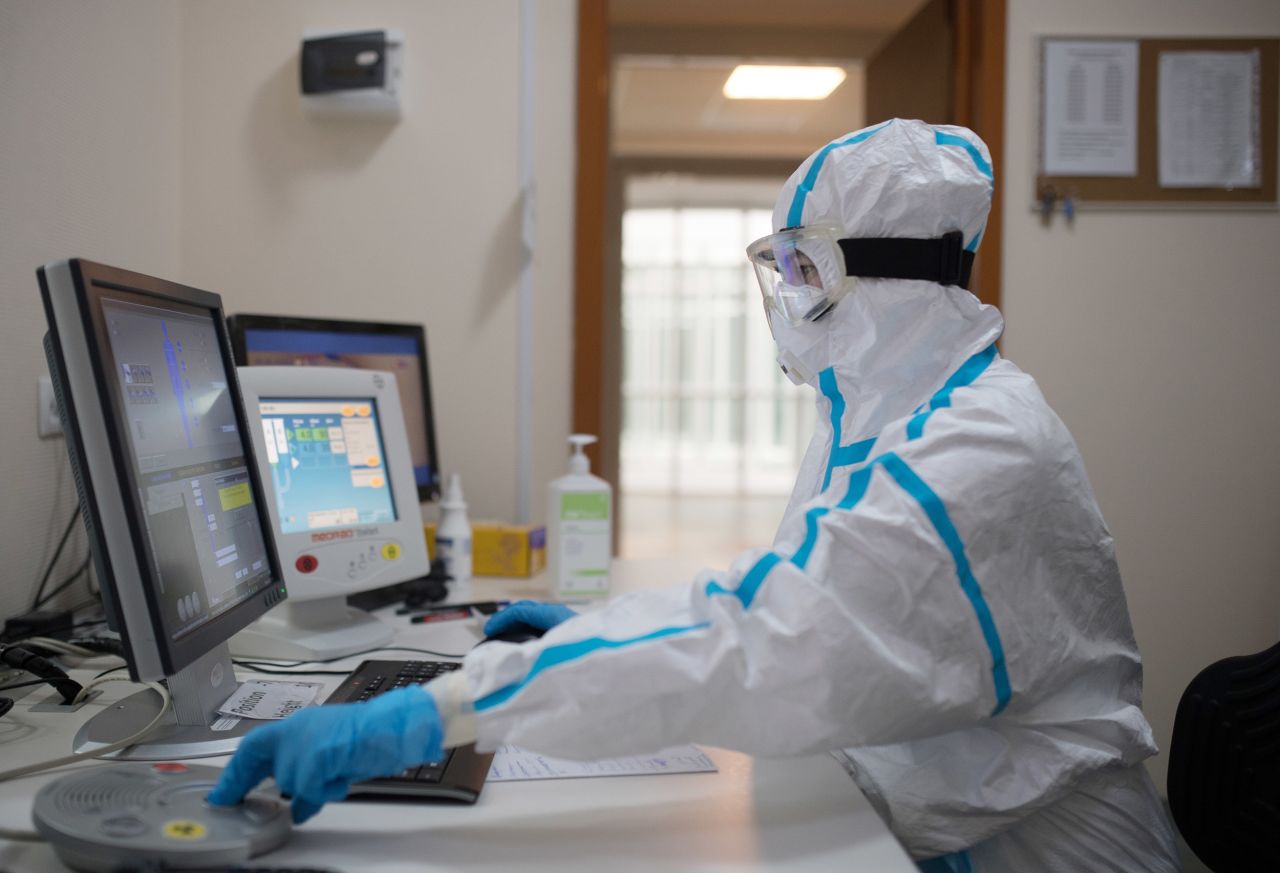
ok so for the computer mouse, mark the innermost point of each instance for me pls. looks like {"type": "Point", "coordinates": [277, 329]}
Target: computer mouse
{"type": "Point", "coordinates": [517, 633]}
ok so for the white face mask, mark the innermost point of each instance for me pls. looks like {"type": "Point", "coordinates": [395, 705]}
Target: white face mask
{"type": "Point", "coordinates": [802, 348]}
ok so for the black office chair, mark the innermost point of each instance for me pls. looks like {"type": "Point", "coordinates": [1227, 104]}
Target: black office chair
{"type": "Point", "coordinates": [1224, 764]}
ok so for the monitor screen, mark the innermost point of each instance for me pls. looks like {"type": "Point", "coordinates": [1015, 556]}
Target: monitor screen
{"type": "Point", "coordinates": [399, 349]}
{"type": "Point", "coordinates": [328, 466]}
{"type": "Point", "coordinates": [189, 460]}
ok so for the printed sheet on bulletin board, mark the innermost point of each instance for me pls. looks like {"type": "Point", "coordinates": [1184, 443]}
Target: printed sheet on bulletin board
{"type": "Point", "coordinates": [1128, 121]}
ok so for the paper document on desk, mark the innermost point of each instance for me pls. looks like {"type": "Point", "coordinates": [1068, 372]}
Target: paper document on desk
{"type": "Point", "coordinates": [514, 764]}
{"type": "Point", "coordinates": [270, 700]}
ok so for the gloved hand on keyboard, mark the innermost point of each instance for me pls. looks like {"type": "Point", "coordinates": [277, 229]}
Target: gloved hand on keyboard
{"type": "Point", "coordinates": [542, 616]}
{"type": "Point", "coordinates": [316, 754]}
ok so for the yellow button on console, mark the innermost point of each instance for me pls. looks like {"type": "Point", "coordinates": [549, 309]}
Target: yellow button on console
{"type": "Point", "coordinates": [184, 830]}
{"type": "Point", "coordinates": [391, 551]}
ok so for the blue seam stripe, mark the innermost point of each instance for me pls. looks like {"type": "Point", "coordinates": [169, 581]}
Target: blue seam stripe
{"type": "Point", "coordinates": [843, 456]}
{"type": "Point", "coordinates": [937, 514]}
{"type": "Point", "coordinates": [840, 456]}
{"type": "Point", "coordinates": [973, 243]}
{"type": "Point", "coordinates": [553, 656]}
{"type": "Point", "coordinates": [827, 383]}
{"type": "Point", "coordinates": [746, 590]}
{"type": "Point", "coordinates": [944, 139]}
{"type": "Point", "coordinates": [811, 518]}
{"type": "Point", "coordinates": [858, 483]}
{"type": "Point", "coordinates": [915, 427]}
{"type": "Point", "coordinates": [968, 373]}
{"type": "Point", "coordinates": [956, 862]}
{"type": "Point", "coordinates": [795, 216]}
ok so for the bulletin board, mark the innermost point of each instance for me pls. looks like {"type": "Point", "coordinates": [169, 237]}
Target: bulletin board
{"type": "Point", "coordinates": [1144, 188]}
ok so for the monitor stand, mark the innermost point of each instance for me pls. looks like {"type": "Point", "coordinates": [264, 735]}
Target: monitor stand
{"type": "Point", "coordinates": [192, 727]}
{"type": "Point", "coordinates": [312, 630]}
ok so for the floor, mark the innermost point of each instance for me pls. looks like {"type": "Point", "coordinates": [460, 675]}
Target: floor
{"type": "Point", "coordinates": [714, 530]}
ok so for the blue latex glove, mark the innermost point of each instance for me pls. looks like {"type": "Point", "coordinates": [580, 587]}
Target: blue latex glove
{"type": "Point", "coordinates": [316, 753]}
{"type": "Point", "coordinates": [542, 616]}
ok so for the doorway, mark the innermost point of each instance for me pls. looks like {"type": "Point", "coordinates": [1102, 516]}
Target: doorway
{"type": "Point", "coordinates": [699, 432]}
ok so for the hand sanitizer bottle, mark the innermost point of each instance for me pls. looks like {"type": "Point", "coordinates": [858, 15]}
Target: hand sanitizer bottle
{"type": "Point", "coordinates": [579, 528]}
{"type": "Point", "coordinates": [453, 536]}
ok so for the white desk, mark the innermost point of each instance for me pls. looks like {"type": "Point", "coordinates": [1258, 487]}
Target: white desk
{"type": "Point", "coordinates": [799, 814]}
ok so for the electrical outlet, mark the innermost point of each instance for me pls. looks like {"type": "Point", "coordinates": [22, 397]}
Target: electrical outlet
{"type": "Point", "coordinates": [48, 422]}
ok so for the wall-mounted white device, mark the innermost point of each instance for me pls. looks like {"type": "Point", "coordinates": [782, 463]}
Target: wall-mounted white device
{"type": "Point", "coordinates": [333, 451]}
{"type": "Point", "coordinates": [352, 73]}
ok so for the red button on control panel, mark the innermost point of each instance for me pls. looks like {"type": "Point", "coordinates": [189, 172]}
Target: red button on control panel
{"type": "Point", "coordinates": [306, 563]}
{"type": "Point", "coordinates": [169, 767]}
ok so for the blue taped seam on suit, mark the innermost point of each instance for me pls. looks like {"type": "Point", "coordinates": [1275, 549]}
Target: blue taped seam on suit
{"type": "Point", "coordinates": [956, 862]}
{"type": "Point", "coordinates": [968, 373]}
{"type": "Point", "coordinates": [795, 215]}
{"type": "Point", "coordinates": [858, 483]}
{"type": "Point", "coordinates": [937, 515]}
{"type": "Point", "coordinates": [746, 590]}
{"type": "Point", "coordinates": [973, 243]}
{"type": "Point", "coordinates": [946, 139]}
{"type": "Point", "coordinates": [841, 456]}
{"type": "Point", "coordinates": [946, 530]}
{"type": "Point", "coordinates": [553, 656]}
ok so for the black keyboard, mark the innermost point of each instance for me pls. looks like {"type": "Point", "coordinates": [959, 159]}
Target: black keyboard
{"type": "Point", "coordinates": [459, 776]}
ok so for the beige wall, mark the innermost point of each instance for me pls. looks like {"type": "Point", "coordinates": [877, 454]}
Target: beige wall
{"type": "Point", "coordinates": [1154, 335]}
{"type": "Point", "coordinates": [415, 221]}
{"type": "Point", "coordinates": [192, 159]}
{"type": "Point", "coordinates": [89, 132]}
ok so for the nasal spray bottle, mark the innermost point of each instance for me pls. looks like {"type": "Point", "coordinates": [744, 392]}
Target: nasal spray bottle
{"type": "Point", "coordinates": [579, 528]}
{"type": "Point", "coordinates": [453, 537]}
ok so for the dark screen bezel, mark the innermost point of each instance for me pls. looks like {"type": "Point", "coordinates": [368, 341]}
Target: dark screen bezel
{"type": "Point", "coordinates": [93, 283]}
{"type": "Point", "coordinates": [239, 323]}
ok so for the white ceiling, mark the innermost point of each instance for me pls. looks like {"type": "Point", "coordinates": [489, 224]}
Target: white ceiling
{"type": "Point", "coordinates": [673, 106]}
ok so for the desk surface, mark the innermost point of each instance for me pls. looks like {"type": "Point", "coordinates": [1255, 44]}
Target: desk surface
{"type": "Point", "coordinates": [797, 814]}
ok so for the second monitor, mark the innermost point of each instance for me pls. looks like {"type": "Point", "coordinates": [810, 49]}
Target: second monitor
{"type": "Point", "coordinates": [276, 340]}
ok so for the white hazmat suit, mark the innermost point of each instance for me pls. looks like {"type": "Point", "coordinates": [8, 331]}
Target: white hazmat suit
{"type": "Point", "coordinates": [941, 601]}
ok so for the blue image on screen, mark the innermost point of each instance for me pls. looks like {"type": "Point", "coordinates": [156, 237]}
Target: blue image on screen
{"type": "Point", "coordinates": [328, 468]}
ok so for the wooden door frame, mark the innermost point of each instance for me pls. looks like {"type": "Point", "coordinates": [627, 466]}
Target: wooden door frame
{"type": "Point", "coordinates": [977, 102]}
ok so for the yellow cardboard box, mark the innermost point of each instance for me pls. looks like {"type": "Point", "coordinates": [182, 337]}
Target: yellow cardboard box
{"type": "Point", "coordinates": [499, 549]}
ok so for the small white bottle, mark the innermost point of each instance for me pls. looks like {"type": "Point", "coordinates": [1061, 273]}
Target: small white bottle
{"type": "Point", "coordinates": [453, 536]}
{"type": "Point", "coordinates": [579, 528]}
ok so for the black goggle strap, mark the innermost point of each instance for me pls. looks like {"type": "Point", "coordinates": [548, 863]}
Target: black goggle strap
{"type": "Point", "coordinates": [942, 260]}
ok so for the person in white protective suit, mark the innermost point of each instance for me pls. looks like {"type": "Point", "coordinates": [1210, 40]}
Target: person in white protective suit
{"type": "Point", "coordinates": [941, 601]}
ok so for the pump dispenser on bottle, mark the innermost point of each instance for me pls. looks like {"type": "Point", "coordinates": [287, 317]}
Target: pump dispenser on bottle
{"type": "Point", "coordinates": [453, 537]}
{"type": "Point", "coordinates": [579, 527]}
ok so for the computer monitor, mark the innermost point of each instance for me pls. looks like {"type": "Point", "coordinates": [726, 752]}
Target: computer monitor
{"type": "Point", "coordinates": [173, 503]}
{"type": "Point", "coordinates": [266, 340]}
{"type": "Point", "coordinates": [333, 450]}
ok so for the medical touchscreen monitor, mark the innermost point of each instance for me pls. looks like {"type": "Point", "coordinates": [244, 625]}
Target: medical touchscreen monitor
{"type": "Point", "coordinates": [328, 465]}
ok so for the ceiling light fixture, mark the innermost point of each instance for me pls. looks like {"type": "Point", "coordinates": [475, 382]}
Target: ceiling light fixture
{"type": "Point", "coordinates": [767, 82]}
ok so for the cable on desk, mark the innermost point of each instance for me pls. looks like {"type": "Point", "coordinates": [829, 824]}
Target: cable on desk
{"type": "Point", "coordinates": [27, 684]}
{"type": "Point", "coordinates": [41, 766]}
{"type": "Point", "coordinates": [286, 665]}
{"type": "Point", "coordinates": [255, 668]}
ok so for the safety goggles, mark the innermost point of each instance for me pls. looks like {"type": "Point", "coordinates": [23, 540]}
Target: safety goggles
{"type": "Point", "coordinates": [800, 271]}
{"type": "Point", "coordinates": [804, 271]}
